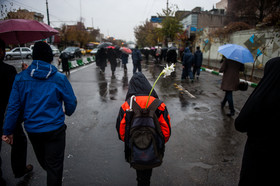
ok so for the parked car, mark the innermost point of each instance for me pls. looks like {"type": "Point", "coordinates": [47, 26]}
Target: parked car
{"type": "Point", "coordinates": [55, 50]}
{"type": "Point", "coordinates": [73, 52]}
{"type": "Point", "coordinates": [83, 51]}
{"type": "Point", "coordinates": [15, 53]}
{"type": "Point", "coordinates": [94, 51]}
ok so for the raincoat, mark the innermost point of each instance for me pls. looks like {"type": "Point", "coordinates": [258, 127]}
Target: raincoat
{"type": "Point", "coordinates": [140, 87]}
{"type": "Point", "coordinates": [39, 91]}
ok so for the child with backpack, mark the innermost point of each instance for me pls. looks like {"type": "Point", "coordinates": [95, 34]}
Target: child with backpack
{"type": "Point", "coordinates": [145, 130]}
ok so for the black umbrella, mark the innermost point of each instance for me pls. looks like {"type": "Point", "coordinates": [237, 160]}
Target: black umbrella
{"type": "Point", "coordinates": [104, 45]}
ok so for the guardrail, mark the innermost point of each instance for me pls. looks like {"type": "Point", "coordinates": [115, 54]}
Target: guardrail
{"type": "Point", "coordinates": [80, 62]}
{"type": "Point", "coordinates": [221, 74]}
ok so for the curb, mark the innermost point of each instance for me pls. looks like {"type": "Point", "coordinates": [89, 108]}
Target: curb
{"type": "Point", "coordinates": [80, 62]}
{"type": "Point", "coordinates": [251, 84]}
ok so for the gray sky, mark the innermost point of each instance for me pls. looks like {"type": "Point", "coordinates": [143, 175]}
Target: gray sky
{"type": "Point", "coordinates": [116, 18]}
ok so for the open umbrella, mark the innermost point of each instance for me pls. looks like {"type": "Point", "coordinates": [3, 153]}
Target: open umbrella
{"type": "Point", "coordinates": [237, 53]}
{"type": "Point", "coordinates": [19, 31]}
{"type": "Point", "coordinates": [104, 45]}
{"type": "Point", "coordinates": [126, 50]}
{"type": "Point", "coordinates": [112, 47]}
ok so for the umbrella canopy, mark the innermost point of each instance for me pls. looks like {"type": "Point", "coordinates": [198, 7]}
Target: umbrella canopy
{"type": "Point", "coordinates": [104, 45]}
{"type": "Point", "coordinates": [126, 50]}
{"type": "Point", "coordinates": [237, 53]}
{"type": "Point", "coordinates": [110, 47]}
{"type": "Point", "coordinates": [19, 31]}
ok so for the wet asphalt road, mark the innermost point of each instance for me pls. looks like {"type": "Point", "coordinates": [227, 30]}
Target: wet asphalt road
{"type": "Point", "coordinates": [204, 148]}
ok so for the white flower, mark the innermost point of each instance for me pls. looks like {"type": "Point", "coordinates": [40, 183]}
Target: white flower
{"type": "Point", "coordinates": [168, 70]}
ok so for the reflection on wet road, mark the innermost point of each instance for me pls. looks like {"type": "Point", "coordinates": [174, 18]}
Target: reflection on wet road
{"type": "Point", "coordinates": [204, 148]}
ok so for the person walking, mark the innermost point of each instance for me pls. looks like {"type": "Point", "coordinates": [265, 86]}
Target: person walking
{"type": "Point", "coordinates": [171, 56]}
{"type": "Point", "coordinates": [136, 58]}
{"type": "Point", "coordinates": [101, 59]}
{"type": "Point", "coordinates": [39, 92]}
{"type": "Point", "coordinates": [63, 59]}
{"type": "Point", "coordinates": [198, 57]}
{"type": "Point", "coordinates": [259, 118]}
{"type": "Point", "coordinates": [187, 64]}
{"type": "Point", "coordinates": [19, 147]}
{"type": "Point", "coordinates": [230, 82]}
{"type": "Point", "coordinates": [112, 58]}
{"type": "Point", "coordinates": [140, 87]}
{"type": "Point", "coordinates": [124, 58]}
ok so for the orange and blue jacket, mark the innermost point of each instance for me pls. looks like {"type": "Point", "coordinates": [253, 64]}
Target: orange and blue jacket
{"type": "Point", "coordinates": [161, 112]}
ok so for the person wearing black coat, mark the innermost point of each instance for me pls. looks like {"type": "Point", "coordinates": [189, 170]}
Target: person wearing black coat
{"type": "Point", "coordinates": [101, 59]}
{"type": "Point", "coordinates": [19, 147]}
{"type": "Point", "coordinates": [112, 58]}
{"type": "Point", "coordinates": [198, 57]}
{"type": "Point", "coordinates": [259, 118]}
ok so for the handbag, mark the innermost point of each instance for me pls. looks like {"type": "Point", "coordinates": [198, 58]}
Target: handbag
{"type": "Point", "coordinates": [243, 86]}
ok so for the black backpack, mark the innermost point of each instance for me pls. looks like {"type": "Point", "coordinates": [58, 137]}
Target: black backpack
{"type": "Point", "coordinates": [144, 141]}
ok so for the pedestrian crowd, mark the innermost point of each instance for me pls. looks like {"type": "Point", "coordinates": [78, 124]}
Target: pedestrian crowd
{"type": "Point", "coordinates": [40, 97]}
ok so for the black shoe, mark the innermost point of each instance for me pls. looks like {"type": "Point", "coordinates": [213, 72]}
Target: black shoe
{"type": "Point", "coordinates": [230, 114]}
{"type": "Point", "coordinates": [28, 169]}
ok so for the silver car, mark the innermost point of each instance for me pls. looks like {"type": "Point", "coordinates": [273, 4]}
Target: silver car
{"type": "Point", "coordinates": [15, 53]}
{"type": "Point", "coordinates": [55, 50]}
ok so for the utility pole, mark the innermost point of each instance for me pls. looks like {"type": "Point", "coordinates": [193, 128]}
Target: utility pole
{"type": "Point", "coordinates": [48, 17]}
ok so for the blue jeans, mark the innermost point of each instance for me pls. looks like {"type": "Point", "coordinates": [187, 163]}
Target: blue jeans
{"type": "Point", "coordinates": [228, 98]}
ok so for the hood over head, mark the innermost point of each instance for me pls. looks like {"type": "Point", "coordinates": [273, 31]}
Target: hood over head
{"type": "Point", "coordinates": [139, 86]}
{"type": "Point", "coordinates": [187, 50]}
{"type": "Point", "coordinates": [41, 69]}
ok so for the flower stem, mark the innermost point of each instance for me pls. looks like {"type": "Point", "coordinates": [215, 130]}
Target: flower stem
{"type": "Point", "coordinates": [152, 89]}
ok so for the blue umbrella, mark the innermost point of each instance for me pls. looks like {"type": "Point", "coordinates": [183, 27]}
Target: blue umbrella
{"type": "Point", "coordinates": [236, 53]}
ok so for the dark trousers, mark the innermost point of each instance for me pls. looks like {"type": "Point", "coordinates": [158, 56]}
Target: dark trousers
{"type": "Point", "coordinates": [144, 177]}
{"type": "Point", "coordinates": [2, 181]}
{"type": "Point", "coordinates": [228, 98]}
{"type": "Point", "coordinates": [187, 72]}
{"type": "Point", "coordinates": [196, 70]}
{"type": "Point", "coordinates": [19, 151]}
{"type": "Point", "coordinates": [49, 149]}
{"type": "Point", "coordinates": [136, 66]}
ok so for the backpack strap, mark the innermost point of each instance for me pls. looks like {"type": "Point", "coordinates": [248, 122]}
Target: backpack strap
{"type": "Point", "coordinates": [138, 111]}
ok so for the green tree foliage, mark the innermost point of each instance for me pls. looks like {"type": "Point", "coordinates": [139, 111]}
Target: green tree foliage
{"type": "Point", "coordinates": [146, 34]}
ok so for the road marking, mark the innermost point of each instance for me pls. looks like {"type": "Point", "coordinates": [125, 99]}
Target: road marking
{"type": "Point", "coordinates": [179, 87]}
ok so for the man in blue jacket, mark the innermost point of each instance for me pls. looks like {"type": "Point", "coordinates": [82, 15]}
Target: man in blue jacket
{"type": "Point", "coordinates": [187, 64]}
{"type": "Point", "coordinates": [39, 93]}
{"type": "Point", "coordinates": [136, 58]}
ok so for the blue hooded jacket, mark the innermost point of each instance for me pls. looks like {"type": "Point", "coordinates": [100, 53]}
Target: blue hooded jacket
{"type": "Point", "coordinates": [39, 91]}
{"type": "Point", "coordinates": [188, 58]}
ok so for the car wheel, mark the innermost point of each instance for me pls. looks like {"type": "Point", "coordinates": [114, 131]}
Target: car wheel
{"type": "Point", "coordinates": [8, 57]}
{"type": "Point", "coordinates": [28, 56]}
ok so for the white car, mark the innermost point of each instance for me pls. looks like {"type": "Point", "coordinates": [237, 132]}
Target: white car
{"type": "Point", "coordinates": [55, 50]}
{"type": "Point", "coordinates": [94, 51]}
{"type": "Point", "coordinates": [15, 53]}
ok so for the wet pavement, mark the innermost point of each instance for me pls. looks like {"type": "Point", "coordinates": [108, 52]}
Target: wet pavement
{"type": "Point", "coordinates": [204, 148]}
